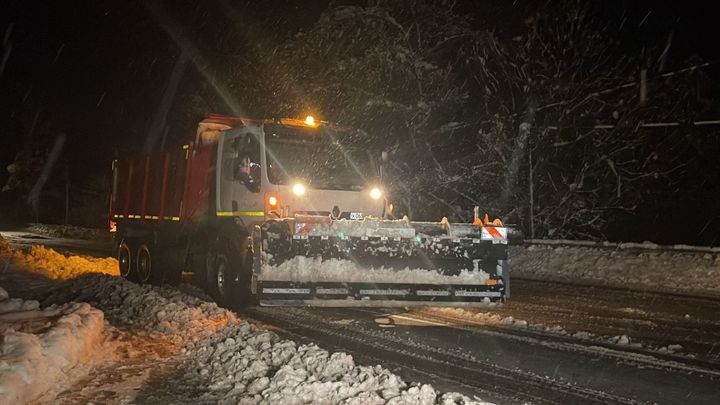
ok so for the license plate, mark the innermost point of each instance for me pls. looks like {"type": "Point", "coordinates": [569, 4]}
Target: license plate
{"type": "Point", "coordinates": [356, 215]}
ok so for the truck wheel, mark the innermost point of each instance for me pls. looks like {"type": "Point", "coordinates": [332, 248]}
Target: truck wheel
{"type": "Point", "coordinates": [221, 279]}
{"type": "Point", "coordinates": [124, 257]}
{"type": "Point", "coordinates": [144, 264]}
{"type": "Point", "coordinates": [227, 276]}
{"type": "Point", "coordinates": [224, 282]}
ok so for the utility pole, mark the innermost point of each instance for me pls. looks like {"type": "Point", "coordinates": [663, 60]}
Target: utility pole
{"type": "Point", "coordinates": [531, 186]}
{"type": "Point", "coordinates": [67, 194]}
{"type": "Point", "coordinates": [524, 141]}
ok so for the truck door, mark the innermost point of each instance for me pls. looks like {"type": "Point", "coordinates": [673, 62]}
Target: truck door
{"type": "Point", "coordinates": [239, 173]}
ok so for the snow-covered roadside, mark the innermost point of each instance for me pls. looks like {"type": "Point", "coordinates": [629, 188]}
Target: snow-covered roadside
{"type": "Point", "coordinates": [42, 349]}
{"type": "Point", "coordinates": [223, 359]}
{"type": "Point", "coordinates": [232, 361]}
{"type": "Point", "coordinates": [54, 265]}
{"type": "Point", "coordinates": [654, 270]}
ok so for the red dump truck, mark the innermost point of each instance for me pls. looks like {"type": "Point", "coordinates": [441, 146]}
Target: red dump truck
{"type": "Point", "coordinates": [292, 212]}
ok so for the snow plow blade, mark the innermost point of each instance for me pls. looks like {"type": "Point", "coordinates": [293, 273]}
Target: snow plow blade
{"type": "Point", "coordinates": [316, 261]}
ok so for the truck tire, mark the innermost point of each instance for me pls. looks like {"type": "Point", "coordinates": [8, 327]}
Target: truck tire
{"type": "Point", "coordinates": [147, 271]}
{"type": "Point", "coordinates": [228, 275]}
{"type": "Point", "coordinates": [125, 260]}
{"type": "Point", "coordinates": [221, 279]}
{"type": "Point", "coordinates": [124, 257]}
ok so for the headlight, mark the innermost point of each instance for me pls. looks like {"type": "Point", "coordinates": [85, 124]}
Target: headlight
{"type": "Point", "coordinates": [375, 193]}
{"type": "Point", "coordinates": [298, 189]}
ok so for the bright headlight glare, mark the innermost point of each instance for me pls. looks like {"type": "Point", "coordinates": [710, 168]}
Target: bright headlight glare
{"type": "Point", "coordinates": [375, 193]}
{"type": "Point", "coordinates": [298, 189]}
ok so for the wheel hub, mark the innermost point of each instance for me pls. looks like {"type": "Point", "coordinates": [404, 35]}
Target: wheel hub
{"type": "Point", "coordinates": [221, 277]}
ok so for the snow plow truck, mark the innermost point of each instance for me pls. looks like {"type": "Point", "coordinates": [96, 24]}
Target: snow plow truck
{"type": "Point", "coordinates": [292, 212]}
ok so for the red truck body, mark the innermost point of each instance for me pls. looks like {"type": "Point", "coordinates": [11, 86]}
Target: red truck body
{"type": "Point", "coordinates": [164, 186]}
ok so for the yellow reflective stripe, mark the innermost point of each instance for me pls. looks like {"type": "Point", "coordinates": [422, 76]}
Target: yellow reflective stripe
{"type": "Point", "coordinates": [240, 213]}
{"type": "Point", "coordinates": [133, 216]}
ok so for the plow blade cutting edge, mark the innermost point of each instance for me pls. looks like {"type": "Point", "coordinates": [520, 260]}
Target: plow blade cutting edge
{"type": "Point", "coordinates": [316, 261]}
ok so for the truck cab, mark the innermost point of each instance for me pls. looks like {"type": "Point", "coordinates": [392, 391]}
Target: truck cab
{"type": "Point", "coordinates": [288, 167]}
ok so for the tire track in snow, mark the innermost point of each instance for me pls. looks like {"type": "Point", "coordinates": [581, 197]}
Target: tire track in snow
{"type": "Point", "coordinates": [642, 357]}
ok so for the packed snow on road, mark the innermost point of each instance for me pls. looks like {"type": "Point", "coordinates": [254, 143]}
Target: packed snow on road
{"type": "Point", "coordinates": [79, 328]}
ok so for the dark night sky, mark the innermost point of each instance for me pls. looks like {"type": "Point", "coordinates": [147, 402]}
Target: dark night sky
{"type": "Point", "coordinates": [96, 69]}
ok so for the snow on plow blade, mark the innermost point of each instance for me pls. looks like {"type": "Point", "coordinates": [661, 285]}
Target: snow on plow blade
{"type": "Point", "coordinates": [316, 261]}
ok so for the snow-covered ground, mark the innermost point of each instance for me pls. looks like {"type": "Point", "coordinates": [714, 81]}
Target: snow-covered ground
{"type": "Point", "coordinates": [487, 318]}
{"type": "Point", "coordinates": [625, 267]}
{"type": "Point", "coordinates": [44, 348]}
{"type": "Point", "coordinates": [224, 358]}
{"type": "Point", "coordinates": [54, 265]}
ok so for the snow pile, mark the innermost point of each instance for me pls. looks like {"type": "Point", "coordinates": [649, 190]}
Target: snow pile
{"type": "Point", "coordinates": [308, 269]}
{"type": "Point", "coordinates": [254, 366]}
{"type": "Point", "coordinates": [659, 270]}
{"type": "Point", "coordinates": [184, 318]}
{"type": "Point", "coordinates": [250, 366]}
{"type": "Point", "coordinates": [55, 265]}
{"type": "Point", "coordinates": [234, 361]}
{"type": "Point", "coordinates": [31, 364]}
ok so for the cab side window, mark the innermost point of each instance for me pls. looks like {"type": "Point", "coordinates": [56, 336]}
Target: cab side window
{"type": "Point", "coordinates": [246, 165]}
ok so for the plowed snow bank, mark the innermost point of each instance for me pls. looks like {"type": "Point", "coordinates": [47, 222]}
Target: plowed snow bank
{"type": "Point", "coordinates": [226, 360]}
{"type": "Point", "coordinates": [31, 364]}
{"type": "Point", "coordinates": [55, 265]}
{"type": "Point", "coordinates": [233, 362]}
{"type": "Point", "coordinates": [668, 271]}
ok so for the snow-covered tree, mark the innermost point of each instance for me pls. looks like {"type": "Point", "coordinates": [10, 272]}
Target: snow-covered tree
{"type": "Point", "coordinates": [593, 156]}
{"type": "Point", "coordinates": [463, 111]}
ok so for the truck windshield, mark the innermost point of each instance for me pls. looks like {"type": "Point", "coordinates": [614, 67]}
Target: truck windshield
{"type": "Point", "coordinates": [320, 157]}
